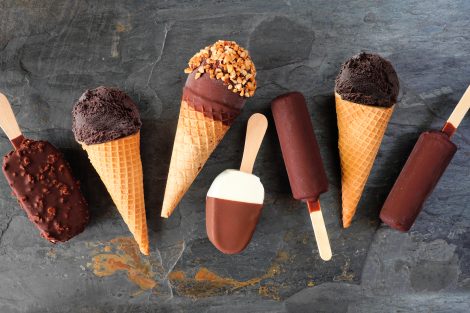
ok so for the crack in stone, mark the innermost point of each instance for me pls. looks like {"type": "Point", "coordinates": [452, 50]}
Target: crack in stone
{"type": "Point", "coordinates": [159, 58]}
{"type": "Point", "coordinates": [152, 66]}
{"type": "Point", "coordinates": [23, 68]}
{"type": "Point", "coordinates": [183, 247]}
{"type": "Point", "coordinates": [6, 228]}
{"type": "Point", "coordinates": [5, 45]}
{"type": "Point", "coordinates": [170, 269]}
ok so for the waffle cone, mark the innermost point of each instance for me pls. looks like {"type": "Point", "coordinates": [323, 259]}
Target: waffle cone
{"type": "Point", "coordinates": [361, 129]}
{"type": "Point", "coordinates": [120, 168]}
{"type": "Point", "coordinates": [198, 133]}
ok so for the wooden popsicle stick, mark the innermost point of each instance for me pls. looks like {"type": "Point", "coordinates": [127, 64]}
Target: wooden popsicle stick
{"type": "Point", "coordinates": [257, 125]}
{"type": "Point", "coordinates": [458, 114]}
{"type": "Point", "coordinates": [319, 229]}
{"type": "Point", "coordinates": [7, 119]}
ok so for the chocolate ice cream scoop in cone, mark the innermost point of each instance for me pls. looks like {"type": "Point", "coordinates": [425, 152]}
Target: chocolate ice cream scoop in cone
{"type": "Point", "coordinates": [365, 93]}
{"type": "Point", "coordinates": [221, 77]}
{"type": "Point", "coordinates": [106, 123]}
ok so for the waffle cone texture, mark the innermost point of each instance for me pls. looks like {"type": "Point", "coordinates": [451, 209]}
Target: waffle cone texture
{"type": "Point", "coordinates": [200, 129]}
{"type": "Point", "coordinates": [119, 166]}
{"type": "Point", "coordinates": [360, 129]}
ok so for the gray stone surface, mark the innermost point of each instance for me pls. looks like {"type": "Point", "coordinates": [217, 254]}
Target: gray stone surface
{"type": "Point", "coordinates": [51, 51]}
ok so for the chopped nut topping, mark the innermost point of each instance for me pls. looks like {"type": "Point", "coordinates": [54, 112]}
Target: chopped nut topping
{"type": "Point", "coordinates": [64, 190]}
{"type": "Point", "coordinates": [228, 62]}
{"type": "Point", "coordinates": [26, 161]}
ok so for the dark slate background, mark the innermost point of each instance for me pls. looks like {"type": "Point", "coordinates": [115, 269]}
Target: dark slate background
{"type": "Point", "coordinates": [51, 51]}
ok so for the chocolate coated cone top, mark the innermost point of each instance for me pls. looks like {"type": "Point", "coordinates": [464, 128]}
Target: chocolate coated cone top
{"type": "Point", "coordinates": [212, 98]}
{"type": "Point", "coordinates": [214, 91]}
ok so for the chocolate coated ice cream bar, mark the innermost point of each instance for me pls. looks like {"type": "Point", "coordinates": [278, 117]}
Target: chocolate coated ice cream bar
{"type": "Point", "coordinates": [303, 161]}
{"type": "Point", "coordinates": [426, 164]}
{"type": "Point", "coordinates": [43, 183]}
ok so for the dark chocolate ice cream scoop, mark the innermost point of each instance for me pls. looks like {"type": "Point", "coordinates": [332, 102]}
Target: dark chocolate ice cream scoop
{"type": "Point", "coordinates": [104, 114]}
{"type": "Point", "coordinates": [368, 79]}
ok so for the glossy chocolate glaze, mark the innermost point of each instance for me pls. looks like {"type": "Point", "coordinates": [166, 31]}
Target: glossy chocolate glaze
{"type": "Point", "coordinates": [18, 141]}
{"type": "Point", "coordinates": [299, 147]}
{"type": "Point", "coordinates": [43, 183]}
{"type": "Point", "coordinates": [231, 224]}
{"type": "Point", "coordinates": [427, 162]}
{"type": "Point", "coordinates": [449, 129]}
{"type": "Point", "coordinates": [213, 98]}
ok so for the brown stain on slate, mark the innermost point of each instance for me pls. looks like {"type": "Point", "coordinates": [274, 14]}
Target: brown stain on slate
{"type": "Point", "coordinates": [206, 283]}
{"type": "Point", "coordinates": [122, 254]}
{"type": "Point", "coordinates": [346, 274]}
{"type": "Point", "coordinates": [120, 27]}
{"type": "Point", "coordinates": [270, 290]}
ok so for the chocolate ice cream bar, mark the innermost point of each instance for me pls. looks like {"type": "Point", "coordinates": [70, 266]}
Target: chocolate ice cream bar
{"type": "Point", "coordinates": [299, 147]}
{"type": "Point", "coordinates": [423, 169]}
{"type": "Point", "coordinates": [43, 183]}
{"type": "Point", "coordinates": [303, 161]}
{"type": "Point", "coordinates": [426, 164]}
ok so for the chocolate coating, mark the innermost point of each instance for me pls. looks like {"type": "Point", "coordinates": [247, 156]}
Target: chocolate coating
{"type": "Point", "coordinates": [18, 141]}
{"type": "Point", "coordinates": [368, 79]}
{"type": "Point", "coordinates": [231, 224]}
{"type": "Point", "coordinates": [299, 146]}
{"type": "Point", "coordinates": [427, 162]}
{"type": "Point", "coordinates": [211, 97]}
{"type": "Point", "coordinates": [104, 114]}
{"type": "Point", "coordinates": [43, 183]}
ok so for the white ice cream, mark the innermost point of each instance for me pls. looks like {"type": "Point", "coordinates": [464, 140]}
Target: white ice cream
{"type": "Point", "coordinates": [237, 186]}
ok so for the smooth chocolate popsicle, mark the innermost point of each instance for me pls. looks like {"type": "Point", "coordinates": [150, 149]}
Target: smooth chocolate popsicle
{"type": "Point", "coordinates": [303, 161]}
{"type": "Point", "coordinates": [299, 147]}
{"type": "Point", "coordinates": [427, 162]}
{"type": "Point", "coordinates": [43, 183]}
